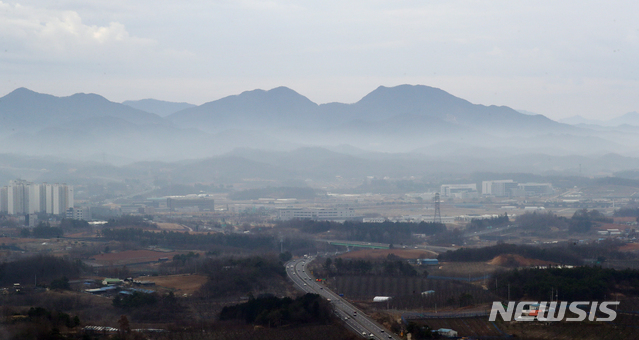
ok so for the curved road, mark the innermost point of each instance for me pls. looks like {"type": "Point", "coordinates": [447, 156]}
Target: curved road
{"type": "Point", "coordinates": [352, 317]}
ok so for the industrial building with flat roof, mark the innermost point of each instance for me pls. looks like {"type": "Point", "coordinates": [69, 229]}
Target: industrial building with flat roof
{"type": "Point", "coordinates": [510, 188]}
{"type": "Point", "coordinates": [459, 190]}
{"type": "Point", "coordinates": [190, 203]}
{"type": "Point", "coordinates": [317, 213]}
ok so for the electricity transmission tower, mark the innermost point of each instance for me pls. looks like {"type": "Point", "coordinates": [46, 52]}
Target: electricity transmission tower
{"type": "Point", "coordinates": [437, 217]}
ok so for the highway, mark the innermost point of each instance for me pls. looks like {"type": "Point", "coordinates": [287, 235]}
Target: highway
{"type": "Point", "coordinates": [356, 244]}
{"type": "Point", "coordinates": [352, 317]}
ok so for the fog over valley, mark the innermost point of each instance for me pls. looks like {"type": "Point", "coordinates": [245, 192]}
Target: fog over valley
{"type": "Point", "coordinates": [407, 130]}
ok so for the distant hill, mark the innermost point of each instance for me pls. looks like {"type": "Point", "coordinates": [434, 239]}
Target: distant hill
{"type": "Point", "coordinates": [630, 118]}
{"type": "Point", "coordinates": [159, 107]}
{"type": "Point", "coordinates": [405, 110]}
{"type": "Point", "coordinates": [413, 120]}
{"type": "Point", "coordinates": [278, 107]}
{"type": "Point", "coordinates": [26, 109]}
{"type": "Point", "coordinates": [576, 120]}
{"type": "Point", "coordinates": [527, 112]}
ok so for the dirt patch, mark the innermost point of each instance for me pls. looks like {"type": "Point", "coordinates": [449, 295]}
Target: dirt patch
{"type": "Point", "coordinates": [462, 269]}
{"type": "Point", "coordinates": [12, 240]}
{"type": "Point", "coordinates": [630, 247]}
{"type": "Point", "coordinates": [132, 256]}
{"type": "Point", "coordinates": [512, 260]}
{"type": "Point", "coordinates": [82, 234]}
{"type": "Point", "coordinates": [180, 284]}
{"type": "Point", "coordinates": [624, 219]}
{"type": "Point", "coordinates": [172, 226]}
{"type": "Point", "coordinates": [383, 253]}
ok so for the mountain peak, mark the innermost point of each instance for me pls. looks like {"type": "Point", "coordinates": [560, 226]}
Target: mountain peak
{"type": "Point", "coordinates": [22, 92]}
{"type": "Point", "coordinates": [417, 93]}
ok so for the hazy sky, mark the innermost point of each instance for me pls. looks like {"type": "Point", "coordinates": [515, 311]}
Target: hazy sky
{"type": "Point", "coordinates": [558, 58]}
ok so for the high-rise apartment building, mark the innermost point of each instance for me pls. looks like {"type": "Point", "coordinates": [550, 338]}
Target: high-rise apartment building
{"type": "Point", "coordinates": [22, 197]}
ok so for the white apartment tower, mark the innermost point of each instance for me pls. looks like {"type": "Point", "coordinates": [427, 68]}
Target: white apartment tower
{"type": "Point", "coordinates": [22, 197]}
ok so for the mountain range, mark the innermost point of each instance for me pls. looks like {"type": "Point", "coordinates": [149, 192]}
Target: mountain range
{"type": "Point", "coordinates": [406, 123]}
{"type": "Point", "coordinates": [630, 118]}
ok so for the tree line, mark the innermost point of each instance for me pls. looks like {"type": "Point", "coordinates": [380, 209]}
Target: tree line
{"type": "Point", "coordinates": [582, 221]}
{"type": "Point", "coordinates": [570, 253]}
{"type": "Point", "coordinates": [40, 268]}
{"type": "Point", "coordinates": [385, 232]}
{"type": "Point", "coordinates": [488, 253]}
{"type": "Point", "coordinates": [199, 241]}
{"type": "Point", "coordinates": [240, 276]}
{"type": "Point", "coordinates": [582, 283]}
{"type": "Point", "coordinates": [627, 212]}
{"type": "Point", "coordinates": [477, 224]}
{"type": "Point", "coordinates": [390, 266]}
{"type": "Point", "coordinates": [272, 311]}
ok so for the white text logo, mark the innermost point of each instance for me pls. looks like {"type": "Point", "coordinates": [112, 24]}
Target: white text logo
{"type": "Point", "coordinates": [544, 311]}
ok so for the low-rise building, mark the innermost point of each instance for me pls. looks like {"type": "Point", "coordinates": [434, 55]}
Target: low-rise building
{"type": "Point", "coordinates": [317, 213]}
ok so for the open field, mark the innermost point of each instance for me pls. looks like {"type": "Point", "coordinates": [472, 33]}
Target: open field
{"type": "Point", "coordinates": [180, 284]}
{"type": "Point", "coordinates": [518, 261]}
{"type": "Point", "coordinates": [630, 247]}
{"type": "Point", "coordinates": [15, 240]}
{"type": "Point", "coordinates": [383, 253]}
{"type": "Point", "coordinates": [172, 226]}
{"type": "Point", "coordinates": [131, 256]}
{"type": "Point", "coordinates": [463, 269]}
{"type": "Point", "coordinates": [624, 219]}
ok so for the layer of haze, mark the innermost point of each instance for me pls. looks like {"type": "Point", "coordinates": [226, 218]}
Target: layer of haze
{"type": "Point", "coordinates": [557, 59]}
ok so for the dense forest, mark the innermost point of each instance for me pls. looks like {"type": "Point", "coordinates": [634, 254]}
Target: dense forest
{"type": "Point", "coordinates": [40, 268]}
{"type": "Point", "coordinates": [541, 222]}
{"type": "Point", "coordinates": [562, 253]}
{"type": "Point", "coordinates": [42, 230]}
{"type": "Point", "coordinates": [390, 266]}
{"type": "Point", "coordinates": [572, 284]}
{"type": "Point", "coordinates": [202, 241]}
{"type": "Point", "coordinates": [627, 212]}
{"type": "Point", "coordinates": [477, 224]}
{"type": "Point", "coordinates": [241, 276]}
{"type": "Point", "coordinates": [273, 312]}
{"type": "Point", "coordinates": [150, 307]}
{"type": "Point", "coordinates": [386, 232]}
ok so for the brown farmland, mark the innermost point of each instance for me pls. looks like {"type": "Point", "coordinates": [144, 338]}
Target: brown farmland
{"type": "Point", "coordinates": [132, 256]}
{"type": "Point", "coordinates": [181, 284]}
